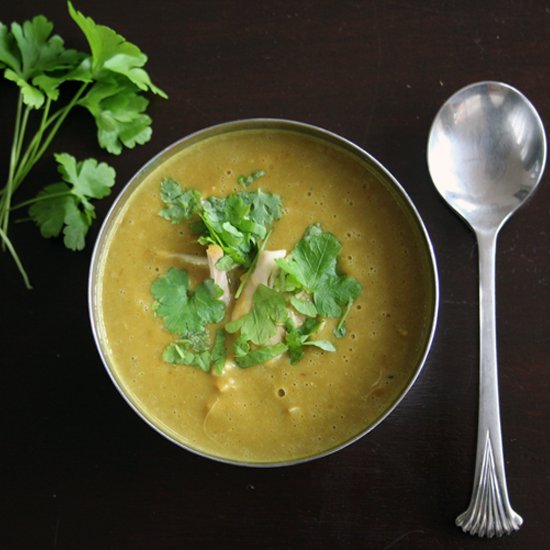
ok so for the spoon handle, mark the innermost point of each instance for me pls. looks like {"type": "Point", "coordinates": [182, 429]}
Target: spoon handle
{"type": "Point", "coordinates": [489, 512]}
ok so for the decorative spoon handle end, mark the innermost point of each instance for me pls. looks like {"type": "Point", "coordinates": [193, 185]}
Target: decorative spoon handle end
{"type": "Point", "coordinates": [489, 513]}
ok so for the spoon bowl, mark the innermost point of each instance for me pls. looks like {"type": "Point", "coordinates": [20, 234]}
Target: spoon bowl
{"type": "Point", "coordinates": [486, 156]}
{"type": "Point", "coordinates": [486, 152]}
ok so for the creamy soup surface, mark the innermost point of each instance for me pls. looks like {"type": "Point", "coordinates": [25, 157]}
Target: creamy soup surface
{"type": "Point", "coordinates": [276, 411]}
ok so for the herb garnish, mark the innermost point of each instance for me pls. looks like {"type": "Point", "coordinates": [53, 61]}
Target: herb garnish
{"type": "Point", "coordinates": [186, 313]}
{"type": "Point", "coordinates": [312, 267]}
{"type": "Point", "coordinates": [238, 223]}
{"type": "Point", "coordinates": [110, 81]}
{"type": "Point", "coordinates": [308, 289]}
{"type": "Point", "coordinates": [67, 205]}
{"type": "Point", "coordinates": [260, 323]}
{"type": "Point", "coordinates": [249, 180]}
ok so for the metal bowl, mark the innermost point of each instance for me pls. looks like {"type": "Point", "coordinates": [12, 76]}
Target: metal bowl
{"type": "Point", "coordinates": [376, 168]}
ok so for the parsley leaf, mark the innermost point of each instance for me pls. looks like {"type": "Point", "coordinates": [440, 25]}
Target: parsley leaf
{"type": "Point", "coordinates": [260, 323]}
{"type": "Point", "coordinates": [111, 77]}
{"type": "Point", "coordinates": [186, 313]}
{"type": "Point", "coordinates": [112, 52]}
{"type": "Point", "coordinates": [265, 208]}
{"type": "Point", "coordinates": [312, 265]}
{"type": "Point", "coordinates": [68, 204]}
{"type": "Point", "coordinates": [33, 58]}
{"type": "Point", "coordinates": [194, 351]}
{"type": "Point", "coordinates": [90, 180]}
{"type": "Point", "coordinates": [180, 204]}
{"type": "Point", "coordinates": [259, 355]}
{"type": "Point", "coordinates": [239, 222]}
{"type": "Point", "coordinates": [298, 337]}
{"type": "Point", "coordinates": [305, 307]}
{"type": "Point", "coordinates": [249, 180]}
{"type": "Point", "coordinates": [218, 353]}
{"type": "Point", "coordinates": [119, 113]}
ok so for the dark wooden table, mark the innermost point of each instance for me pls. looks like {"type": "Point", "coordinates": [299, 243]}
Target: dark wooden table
{"type": "Point", "coordinates": [79, 470]}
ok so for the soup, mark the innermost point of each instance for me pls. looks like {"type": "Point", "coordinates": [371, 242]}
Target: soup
{"type": "Point", "coordinates": [274, 412]}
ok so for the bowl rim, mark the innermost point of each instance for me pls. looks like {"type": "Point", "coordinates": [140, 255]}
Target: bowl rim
{"type": "Point", "coordinates": [259, 123]}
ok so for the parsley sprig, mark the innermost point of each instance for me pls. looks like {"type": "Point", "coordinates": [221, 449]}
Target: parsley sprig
{"type": "Point", "coordinates": [108, 81]}
{"type": "Point", "coordinates": [67, 205]}
{"type": "Point", "coordinates": [312, 268]}
{"type": "Point", "coordinates": [308, 290]}
{"type": "Point", "coordinates": [238, 223]}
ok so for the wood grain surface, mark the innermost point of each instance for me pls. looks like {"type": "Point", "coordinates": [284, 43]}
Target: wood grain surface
{"type": "Point", "coordinates": [79, 470]}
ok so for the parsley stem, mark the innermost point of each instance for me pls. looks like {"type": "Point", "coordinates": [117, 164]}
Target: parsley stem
{"type": "Point", "coordinates": [339, 327]}
{"type": "Point", "coordinates": [8, 190]}
{"type": "Point", "coordinates": [6, 241]}
{"type": "Point", "coordinates": [35, 141]}
{"type": "Point", "coordinates": [59, 116]}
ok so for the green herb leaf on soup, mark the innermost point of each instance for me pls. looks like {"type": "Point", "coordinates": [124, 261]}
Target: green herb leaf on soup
{"type": "Point", "coordinates": [185, 312]}
{"type": "Point", "coordinates": [304, 306]}
{"type": "Point", "coordinates": [260, 323]}
{"type": "Point", "coordinates": [180, 205]}
{"type": "Point", "coordinates": [218, 354]}
{"type": "Point", "coordinates": [260, 355]}
{"type": "Point", "coordinates": [239, 222]}
{"type": "Point", "coordinates": [249, 180]}
{"type": "Point", "coordinates": [312, 264]}
{"type": "Point", "coordinates": [195, 352]}
{"type": "Point", "coordinates": [297, 337]}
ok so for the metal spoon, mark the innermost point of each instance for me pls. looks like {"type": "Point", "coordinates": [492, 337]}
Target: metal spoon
{"type": "Point", "coordinates": [486, 155]}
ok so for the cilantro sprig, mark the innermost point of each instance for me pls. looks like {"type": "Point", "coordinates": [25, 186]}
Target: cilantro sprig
{"type": "Point", "coordinates": [187, 313]}
{"type": "Point", "coordinates": [312, 267]}
{"type": "Point", "coordinates": [287, 318]}
{"type": "Point", "coordinates": [67, 205]}
{"type": "Point", "coordinates": [238, 223]}
{"type": "Point", "coordinates": [184, 312]}
{"type": "Point", "coordinates": [108, 81]}
{"type": "Point", "coordinates": [246, 181]}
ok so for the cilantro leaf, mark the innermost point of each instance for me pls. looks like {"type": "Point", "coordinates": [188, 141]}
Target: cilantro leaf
{"type": "Point", "coordinates": [119, 113]}
{"type": "Point", "coordinates": [296, 337]}
{"type": "Point", "coordinates": [334, 291]}
{"type": "Point", "coordinates": [194, 351]}
{"type": "Point", "coordinates": [33, 59]}
{"type": "Point", "coordinates": [312, 264]}
{"type": "Point", "coordinates": [265, 208]}
{"type": "Point", "coordinates": [184, 312]}
{"type": "Point", "coordinates": [112, 52]}
{"type": "Point", "coordinates": [259, 355]}
{"type": "Point", "coordinates": [260, 323]}
{"type": "Point", "coordinates": [180, 204]}
{"type": "Point", "coordinates": [305, 307]}
{"type": "Point", "coordinates": [90, 179]}
{"type": "Point", "coordinates": [218, 353]}
{"type": "Point", "coordinates": [239, 222]}
{"type": "Point", "coordinates": [249, 180]}
{"type": "Point", "coordinates": [67, 205]}
{"type": "Point", "coordinates": [340, 328]}
{"type": "Point", "coordinates": [48, 212]}
{"type": "Point", "coordinates": [325, 345]}
{"type": "Point", "coordinates": [312, 258]}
